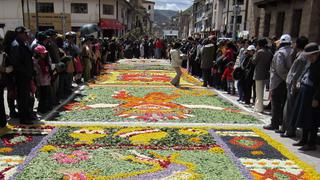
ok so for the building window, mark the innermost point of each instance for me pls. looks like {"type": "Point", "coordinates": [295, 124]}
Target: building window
{"type": "Point", "coordinates": [279, 24]}
{"type": "Point", "coordinates": [296, 20]}
{"type": "Point", "coordinates": [239, 19]}
{"type": "Point", "coordinates": [45, 7]}
{"type": "Point", "coordinates": [266, 29]}
{"type": "Point", "coordinates": [79, 8]}
{"type": "Point", "coordinates": [240, 2]}
{"type": "Point", "coordinates": [108, 9]}
{"type": "Point", "coordinates": [44, 28]}
{"type": "Point", "coordinates": [257, 26]}
{"type": "Point", "coordinates": [149, 7]}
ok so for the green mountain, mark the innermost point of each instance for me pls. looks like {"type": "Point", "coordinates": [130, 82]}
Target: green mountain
{"type": "Point", "coordinates": [163, 16]}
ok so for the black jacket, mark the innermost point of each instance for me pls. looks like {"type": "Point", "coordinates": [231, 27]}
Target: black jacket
{"type": "Point", "coordinates": [21, 59]}
{"type": "Point", "coordinates": [315, 78]}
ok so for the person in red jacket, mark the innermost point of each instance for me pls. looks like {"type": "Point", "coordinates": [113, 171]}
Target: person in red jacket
{"type": "Point", "coordinates": [227, 74]}
{"type": "Point", "coordinates": [159, 47]}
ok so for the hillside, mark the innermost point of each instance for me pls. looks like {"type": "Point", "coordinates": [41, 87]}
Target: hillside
{"type": "Point", "coordinates": [163, 16]}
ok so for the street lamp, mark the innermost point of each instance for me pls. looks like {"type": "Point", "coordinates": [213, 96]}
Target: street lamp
{"type": "Point", "coordinates": [63, 17]}
{"type": "Point", "coordinates": [37, 16]}
{"type": "Point", "coordinates": [236, 12]}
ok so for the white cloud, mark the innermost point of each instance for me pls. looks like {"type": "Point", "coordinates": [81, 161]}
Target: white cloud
{"type": "Point", "coordinates": [173, 4]}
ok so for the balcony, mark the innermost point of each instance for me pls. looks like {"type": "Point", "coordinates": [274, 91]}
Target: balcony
{"type": "Point", "coordinates": [264, 3]}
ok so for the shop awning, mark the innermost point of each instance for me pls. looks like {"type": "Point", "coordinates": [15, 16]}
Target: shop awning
{"type": "Point", "coordinates": [111, 24]}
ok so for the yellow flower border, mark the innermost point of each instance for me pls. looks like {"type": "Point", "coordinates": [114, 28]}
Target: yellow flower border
{"type": "Point", "coordinates": [309, 170]}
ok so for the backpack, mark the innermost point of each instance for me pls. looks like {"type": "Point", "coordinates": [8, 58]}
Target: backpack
{"type": "Point", "coordinates": [238, 73]}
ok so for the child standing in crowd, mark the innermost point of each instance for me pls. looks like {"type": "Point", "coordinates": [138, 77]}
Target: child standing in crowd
{"type": "Point", "coordinates": [227, 75]}
{"type": "Point", "coordinates": [43, 78]}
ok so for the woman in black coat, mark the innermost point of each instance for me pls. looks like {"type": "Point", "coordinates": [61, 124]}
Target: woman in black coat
{"type": "Point", "coordinates": [307, 109]}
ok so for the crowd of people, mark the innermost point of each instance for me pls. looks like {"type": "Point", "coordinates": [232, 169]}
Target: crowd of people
{"type": "Point", "coordinates": [284, 68]}
{"type": "Point", "coordinates": [46, 66]}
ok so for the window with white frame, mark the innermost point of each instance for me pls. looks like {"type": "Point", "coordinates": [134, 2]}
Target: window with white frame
{"type": "Point", "coordinates": [45, 7]}
{"type": "Point", "coordinates": [108, 9]}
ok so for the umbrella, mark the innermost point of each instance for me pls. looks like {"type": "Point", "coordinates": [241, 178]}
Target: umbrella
{"type": "Point", "coordinates": [88, 29]}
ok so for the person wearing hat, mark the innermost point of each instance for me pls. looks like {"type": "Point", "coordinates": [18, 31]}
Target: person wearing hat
{"type": "Point", "coordinates": [299, 65]}
{"type": "Point", "coordinates": [41, 39]}
{"type": "Point", "coordinates": [248, 67]}
{"type": "Point", "coordinates": [307, 109]}
{"type": "Point", "coordinates": [43, 78]}
{"type": "Point", "coordinates": [262, 61]}
{"type": "Point", "coordinates": [51, 46]}
{"type": "Point", "coordinates": [21, 59]}
{"type": "Point", "coordinates": [280, 66]}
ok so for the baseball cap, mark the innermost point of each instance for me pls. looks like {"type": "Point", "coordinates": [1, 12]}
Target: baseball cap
{"type": "Point", "coordinates": [40, 49]}
{"type": "Point", "coordinates": [21, 29]}
{"type": "Point", "coordinates": [251, 48]}
{"type": "Point", "coordinates": [286, 38]}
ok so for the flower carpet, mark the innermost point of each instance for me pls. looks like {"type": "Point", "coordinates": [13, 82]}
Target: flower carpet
{"type": "Point", "coordinates": [162, 104]}
{"type": "Point", "coordinates": [78, 142]}
{"type": "Point", "coordinates": [112, 152]}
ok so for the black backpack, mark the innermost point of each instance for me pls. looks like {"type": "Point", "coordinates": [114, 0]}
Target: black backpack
{"type": "Point", "coordinates": [238, 73]}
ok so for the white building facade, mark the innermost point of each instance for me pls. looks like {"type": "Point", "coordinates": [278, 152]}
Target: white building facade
{"type": "Point", "coordinates": [115, 16]}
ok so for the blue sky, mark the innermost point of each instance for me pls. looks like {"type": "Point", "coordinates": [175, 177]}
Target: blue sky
{"type": "Point", "coordinates": [173, 4]}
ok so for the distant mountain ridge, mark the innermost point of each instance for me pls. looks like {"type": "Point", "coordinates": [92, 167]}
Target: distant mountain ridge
{"type": "Point", "coordinates": [163, 16]}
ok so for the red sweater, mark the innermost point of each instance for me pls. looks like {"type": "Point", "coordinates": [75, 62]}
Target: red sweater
{"type": "Point", "coordinates": [228, 74]}
{"type": "Point", "coordinates": [158, 44]}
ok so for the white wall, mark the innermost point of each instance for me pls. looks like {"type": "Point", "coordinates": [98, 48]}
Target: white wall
{"type": "Point", "coordinates": [11, 14]}
{"type": "Point", "coordinates": [11, 11]}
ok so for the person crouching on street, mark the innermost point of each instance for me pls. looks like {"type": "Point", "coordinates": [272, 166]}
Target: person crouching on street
{"type": "Point", "coordinates": [43, 78]}
{"type": "Point", "coordinates": [176, 62]}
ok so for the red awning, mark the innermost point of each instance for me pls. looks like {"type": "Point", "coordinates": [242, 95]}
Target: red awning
{"type": "Point", "coordinates": [111, 24]}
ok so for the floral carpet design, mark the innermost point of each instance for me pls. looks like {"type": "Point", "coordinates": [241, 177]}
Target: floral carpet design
{"type": "Point", "coordinates": [142, 77]}
{"type": "Point", "coordinates": [79, 143]}
{"type": "Point", "coordinates": [15, 145]}
{"type": "Point", "coordinates": [111, 152]}
{"type": "Point", "coordinates": [162, 104]}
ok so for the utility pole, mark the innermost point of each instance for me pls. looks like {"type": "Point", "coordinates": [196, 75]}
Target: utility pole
{"type": "Point", "coordinates": [28, 11]}
{"type": "Point", "coordinates": [99, 23]}
{"type": "Point", "coordinates": [99, 11]}
{"type": "Point", "coordinates": [63, 17]}
{"type": "Point", "coordinates": [37, 16]}
{"type": "Point", "coordinates": [23, 16]}
{"type": "Point", "coordinates": [236, 11]}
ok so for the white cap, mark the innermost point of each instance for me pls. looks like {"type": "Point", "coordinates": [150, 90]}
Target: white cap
{"type": "Point", "coordinates": [251, 48]}
{"type": "Point", "coordinates": [286, 38]}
